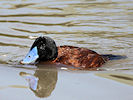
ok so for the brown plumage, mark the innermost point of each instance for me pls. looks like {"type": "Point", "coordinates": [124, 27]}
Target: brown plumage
{"type": "Point", "coordinates": [79, 57]}
{"type": "Point", "coordinates": [44, 49]}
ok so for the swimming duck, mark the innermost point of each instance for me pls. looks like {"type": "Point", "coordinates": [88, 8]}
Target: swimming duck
{"type": "Point", "coordinates": [45, 49]}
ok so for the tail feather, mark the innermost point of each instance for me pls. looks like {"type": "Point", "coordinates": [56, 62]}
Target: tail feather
{"type": "Point", "coordinates": [113, 57]}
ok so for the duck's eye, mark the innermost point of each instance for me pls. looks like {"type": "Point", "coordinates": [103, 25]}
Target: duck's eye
{"type": "Point", "coordinates": [29, 56]}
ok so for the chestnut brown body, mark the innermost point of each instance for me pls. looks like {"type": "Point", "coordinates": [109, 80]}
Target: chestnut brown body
{"type": "Point", "coordinates": [79, 57]}
{"type": "Point", "coordinates": [44, 49]}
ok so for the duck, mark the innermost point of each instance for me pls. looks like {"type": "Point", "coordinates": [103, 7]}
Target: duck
{"type": "Point", "coordinates": [44, 49]}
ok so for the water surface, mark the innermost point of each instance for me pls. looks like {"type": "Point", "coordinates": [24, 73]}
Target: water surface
{"type": "Point", "coordinates": [103, 26]}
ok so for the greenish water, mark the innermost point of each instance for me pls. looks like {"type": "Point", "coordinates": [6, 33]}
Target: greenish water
{"type": "Point", "coordinates": [103, 26]}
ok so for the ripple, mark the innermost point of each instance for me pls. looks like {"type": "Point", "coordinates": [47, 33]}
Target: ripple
{"type": "Point", "coordinates": [36, 15]}
{"type": "Point", "coordinates": [81, 23]}
{"type": "Point", "coordinates": [8, 44]}
{"type": "Point", "coordinates": [21, 5]}
{"type": "Point", "coordinates": [13, 36]}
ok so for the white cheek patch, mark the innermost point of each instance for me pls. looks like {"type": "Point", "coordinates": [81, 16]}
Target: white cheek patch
{"type": "Point", "coordinates": [31, 57]}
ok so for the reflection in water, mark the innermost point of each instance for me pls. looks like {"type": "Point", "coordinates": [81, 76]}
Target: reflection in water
{"type": "Point", "coordinates": [105, 26]}
{"type": "Point", "coordinates": [119, 77]}
{"type": "Point", "coordinates": [12, 86]}
{"type": "Point", "coordinates": [43, 82]}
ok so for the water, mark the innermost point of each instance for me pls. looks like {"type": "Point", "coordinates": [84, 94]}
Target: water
{"type": "Point", "coordinates": [100, 25]}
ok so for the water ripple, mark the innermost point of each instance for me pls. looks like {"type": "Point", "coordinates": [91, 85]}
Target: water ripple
{"type": "Point", "coordinates": [104, 26]}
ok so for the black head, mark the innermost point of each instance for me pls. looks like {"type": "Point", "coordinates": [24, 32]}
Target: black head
{"type": "Point", "coordinates": [43, 49]}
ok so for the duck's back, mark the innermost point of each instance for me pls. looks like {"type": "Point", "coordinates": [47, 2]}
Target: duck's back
{"type": "Point", "coordinates": [79, 57]}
